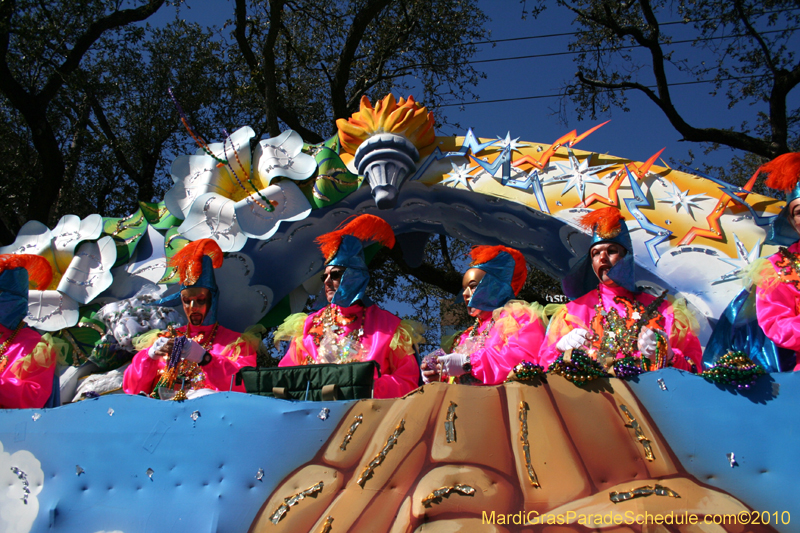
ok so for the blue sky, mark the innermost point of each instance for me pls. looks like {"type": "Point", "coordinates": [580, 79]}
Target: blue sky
{"type": "Point", "coordinates": [637, 134]}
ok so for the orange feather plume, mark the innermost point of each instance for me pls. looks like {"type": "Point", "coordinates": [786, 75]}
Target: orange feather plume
{"type": "Point", "coordinates": [189, 260]}
{"type": "Point", "coordinates": [366, 228]}
{"type": "Point", "coordinates": [484, 254]}
{"type": "Point", "coordinates": [40, 273]}
{"type": "Point", "coordinates": [606, 222]}
{"type": "Point", "coordinates": [783, 172]}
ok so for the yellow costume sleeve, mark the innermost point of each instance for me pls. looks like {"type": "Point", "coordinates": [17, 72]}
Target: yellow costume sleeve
{"type": "Point", "coordinates": [145, 340]}
{"type": "Point", "coordinates": [516, 314]}
{"type": "Point", "coordinates": [44, 355]}
{"type": "Point", "coordinates": [447, 341]}
{"type": "Point", "coordinates": [408, 333]}
{"type": "Point", "coordinates": [246, 344]}
{"type": "Point", "coordinates": [558, 326]}
{"type": "Point", "coordinates": [761, 273]}
{"type": "Point", "coordinates": [684, 321]}
{"type": "Point", "coordinates": [291, 327]}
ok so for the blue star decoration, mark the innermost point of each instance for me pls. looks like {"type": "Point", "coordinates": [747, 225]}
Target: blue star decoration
{"type": "Point", "coordinates": [511, 144]}
{"type": "Point", "coordinates": [748, 257]}
{"type": "Point", "coordinates": [682, 199]}
{"type": "Point", "coordinates": [460, 174]}
{"type": "Point", "coordinates": [634, 206]}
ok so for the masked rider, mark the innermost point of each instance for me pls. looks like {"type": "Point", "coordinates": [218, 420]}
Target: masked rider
{"type": "Point", "coordinates": [202, 354]}
{"type": "Point", "coordinates": [604, 316]}
{"type": "Point", "coordinates": [351, 328]}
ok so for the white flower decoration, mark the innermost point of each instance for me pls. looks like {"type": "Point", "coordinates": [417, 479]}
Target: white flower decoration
{"type": "Point", "coordinates": [228, 202]}
{"type": "Point", "coordinates": [146, 267]}
{"type": "Point", "coordinates": [81, 270]}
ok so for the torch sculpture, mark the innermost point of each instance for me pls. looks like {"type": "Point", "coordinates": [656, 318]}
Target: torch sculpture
{"type": "Point", "coordinates": [386, 141]}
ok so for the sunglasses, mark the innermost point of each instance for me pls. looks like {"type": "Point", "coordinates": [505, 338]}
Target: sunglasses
{"type": "Point", "coordinates": [335, 275]}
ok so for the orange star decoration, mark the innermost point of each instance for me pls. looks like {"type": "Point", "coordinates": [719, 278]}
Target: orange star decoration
{"type": "Point", "coordinates": [715, 231]}
{"type": "Point", "coordinates": [570, 139]}
{"type": "Point", "coordinates": [613, 197]}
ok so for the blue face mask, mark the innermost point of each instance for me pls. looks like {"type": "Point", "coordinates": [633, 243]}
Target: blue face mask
{"type": "Point", "coordinates": [781, 232]}
{"type": "Point", "coordinates": [494, 290]}
{"type": "Point", "coordinates": [353, 284]}
{"type": "Point", "coordinates": [13, 297]}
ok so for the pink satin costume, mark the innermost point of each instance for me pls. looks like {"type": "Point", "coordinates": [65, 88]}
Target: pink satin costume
{"type": "Point", "coordinates": [516, 335]}
{"type": "Point", "coordinates": [229, 352]}
{"type": "Point", "coordinates": [580, 312]}
{"type": "Point", "coordinates": [385, 341]}
{"type": "Point", "coordinates": [26, 381]}
{"type": "Point", "coordinates": [778, 307]}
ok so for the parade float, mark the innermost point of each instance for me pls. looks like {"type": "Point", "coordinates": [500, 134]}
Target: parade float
{"type": "Point", "coordinates": [535, 455]}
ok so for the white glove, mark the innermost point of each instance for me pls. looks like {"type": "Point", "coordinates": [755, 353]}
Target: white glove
{"type": "Point", "coordinates": [453, 364]}
{"type": "Point", "coordinates": [574, 339]}
{"type": "Point", "coordinates": [193, 351]}
{"type": "Point", "coordinates": [160, 342]}
{"type": "Point", "coordinates": [647, 343]}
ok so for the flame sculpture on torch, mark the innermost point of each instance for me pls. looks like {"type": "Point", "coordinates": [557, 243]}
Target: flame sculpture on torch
{"type": "Point", "coordinates": [386, 142]}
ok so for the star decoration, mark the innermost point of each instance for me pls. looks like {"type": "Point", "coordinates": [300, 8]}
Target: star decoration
{"type": "Point", "coordinates": [682, 199]}
{"type": "Point", "coordinates": [459, 174]}
{"type": "Point", "coordinates": [578, 174]}
{"type": "Point", "coordinates": [512, 144]}
{"type": "Point", "coordinates": [748, 257]}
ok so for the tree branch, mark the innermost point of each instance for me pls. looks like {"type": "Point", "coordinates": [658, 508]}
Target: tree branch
{"type": "Point", "coordinates": [105, 127]}
{"type": "Point", "coordinates": [93, 33]}
{"type": "Point", "coordinates": [448, 281]}
{"type": "Point", "coordinates": [753, 33]}
{"type": "Point", "coordinates": [345, 64]}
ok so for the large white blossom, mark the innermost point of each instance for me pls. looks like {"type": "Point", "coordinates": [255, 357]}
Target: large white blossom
{"type": "Point", "coordinates": [227, 202]}
{"type": "Point", "coordinates": [81, 263]}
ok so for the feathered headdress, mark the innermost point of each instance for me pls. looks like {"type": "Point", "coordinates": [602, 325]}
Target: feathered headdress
{"type": "Point", "coordinates": [484, 254]}
{"type": "Point", "coordinates": [189, 260]}
{"type": "Point", "coordinates": [505, 273]}
{"type": "Point", "coordinates": [20, 273]}
{"type": "Point", "coordinates": [783, 174]}
{"type": "Point", "coordinates": [605, 222]}
{"type": "Point", "coordinates": [366, 228]}
{"type": "Point", "coordinates": [40, 273]}
{"type": "Point", "coordinates": [195, 264]}
{"type": "Point", "coordinates": [345, 247]}
{"type": "Point", "coordinates": [606, 225]}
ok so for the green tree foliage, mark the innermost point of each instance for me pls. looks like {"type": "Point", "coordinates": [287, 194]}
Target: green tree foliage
{"type": "Point", "coordinates": [88, 127]}
{"type": "Point", "coordinates": [744, 49]}
{"type": "Point", "coordinates": [42, 47]}
{"type": "Point", "coordinates": [312, 61]}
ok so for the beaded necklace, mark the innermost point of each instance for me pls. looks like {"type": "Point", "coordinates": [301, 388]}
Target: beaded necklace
{"type": "Point", "coordinates": [183, 369]}
{"type": "Point", "coordinates": [7, 343]}
{"type": "Point", "coordinates": [475, 340]}
{"type": "Point", "coordinates": [473, 332]}
{"type": "Point", "coordinates": [615, 334]}
{"type": "Point", "coordinates": [789, 267]}
{"type": "Point", "coordinates": [327, 329]}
